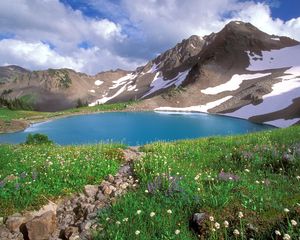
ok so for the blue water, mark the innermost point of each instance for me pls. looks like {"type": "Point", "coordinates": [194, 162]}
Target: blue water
{"type": "Point", "coordinates": [134, 128]}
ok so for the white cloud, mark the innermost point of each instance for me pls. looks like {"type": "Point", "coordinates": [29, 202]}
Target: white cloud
{"type": "Point", "coordinates": [135, 32]}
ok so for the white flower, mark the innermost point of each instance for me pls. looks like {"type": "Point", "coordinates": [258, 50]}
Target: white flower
{"type": "Point", "coordinates": [211, 218]}
{"type": "Point", "coordinates": [118, 222]}
{"type": "Point", "coordinates": [138, 212]}
{"type": "Point", "coordinates": [247, 170]}
{"type": "Point", "coordinates": [236, 232]}
{"type": "Point", "coordinates": [177, 231]}
{"type": "Point", "coordinates": [293, 222]}
{"type": "Point", "coordinates": [277, 232]}
{"type": "Point", "coordinates": [146, 191]}
{"type": "Point", "coordinates": [213, 229]}
{"type": "Point", "coordinates": [226, 224]}
{"type": "Point", "coordinates": [240, 215]}
{"type": "Point", "coordinates": [107, 219]}
{"type": "Point", "coordinates": [169, 211]}
{"type": "Point", "coordinates": [286, 210]}
{"type": "Point", "coordinates": [152, 214]}
{"type": "Point", "coordinates": [257, 182]}
{"type": "Point", "coordinates": [298, 177]}
{"type": "Point", "coordinates": [196, 178]}
{"type": "Point", "coordinates": [137, 232]}
{"type": "Point", "coordinates": [286, 237]}
{"type": "Point", "coordinates": [217, 225]}
{"type": "Point", "coordinates": [125, 220]}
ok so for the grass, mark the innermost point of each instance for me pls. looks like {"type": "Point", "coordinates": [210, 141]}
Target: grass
{"type": "Point", "coordinates": [31, 174]}
{"type": "Point", "coordinates": [254, 176]}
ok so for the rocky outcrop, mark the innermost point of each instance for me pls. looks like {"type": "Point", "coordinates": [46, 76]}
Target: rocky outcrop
{"type": "Point", "coordinates": [74, 217]}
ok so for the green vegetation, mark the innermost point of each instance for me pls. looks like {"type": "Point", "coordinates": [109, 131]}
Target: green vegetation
{"type": "Point", "coordinates": [31, 174]}
{"type": "Point", "coordinates": [62, 75]}
{"type": "Point", "coordinates": [34, 139]}
{"type": "Point", "coordinates": [250, 181]}
{"type": "Point", "coordinates": [8, 115]}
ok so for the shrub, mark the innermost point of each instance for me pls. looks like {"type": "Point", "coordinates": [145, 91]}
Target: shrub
{"type": "Point", "coordinates": [35, 139]}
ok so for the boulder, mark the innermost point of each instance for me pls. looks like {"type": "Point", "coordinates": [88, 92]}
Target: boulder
{"type": "Point", "coordinates": [40, 228]}
{"type": "Point", "coordinates": [14, 222]}
{"type": "Point", "coordinates": [197, 222]}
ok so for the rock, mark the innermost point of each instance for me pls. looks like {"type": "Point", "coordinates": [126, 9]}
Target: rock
{"type": "Point", "coordinates": [4, 232]}
{"type": "Point", "coordinates": [90, 190]}
{"type": "Point", "coordinates": [107, 190]}
{"type": "Point", "coordinates": [118, 181]}
{"type": "Point", "coordinates": [70, 232]}
{"type": "Point", "coordinates": [124, 185]}
{"type": "Point", "coordinates": [125, 170]}
{"type": "Point", "coordinates": [100, 196]}
{"type": "Point", "coordinates": [14, 222]}
{"type": "Point", "coordinates": [197, 222]}
{"type": "Point", "coordinates": [40, 228]}
{"type": "Point", "coordinates": [110, 178]}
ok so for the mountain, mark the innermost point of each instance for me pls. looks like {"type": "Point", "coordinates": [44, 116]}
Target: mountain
{"type": "Point", "coordinates": [239, 71]}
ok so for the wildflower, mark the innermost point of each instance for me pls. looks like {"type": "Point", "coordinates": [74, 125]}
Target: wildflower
{"type": "Point", "coordinates": [125, 220]}
{"type": "Point", "coordinates": [286, 210]}
{"type": "Point", "coordinates": [146, 191]}
{"type": "Point", "coordinates": [118, 222]}
{"type": "Point", "coordinates": [240, 215]}
{"type": "Point", "coordinates": [286, 237]}
{"type": "Point", "coordinates": [213, 229]}
{"type": "Point", "coordinates": [177, 231]}
{"type": "Point", "coordinates": [226, 224]}
{"type": "Point", "coordinates": [152, 214]}
{"type": "Point", "coordinates": [293, 222]}
{"type": "Point", "coordinates": [236, 232]}
{"type": "Point", "coordinates": [298, 177]}
{"type": "Point", "coordinates": [247, 170]}
{"type": "Point", "coordinates": [138, 212]}
{"type": "Point", "coordinates": [257, 182]}
{"type": "Point", "coordinates": [169, 211]}
{"type": "Point", "coordinates": [277, 232]}
{"type": "Point", "coordinates": [217, 225]}
{"type": "Point", "coordinates": [137, 232]}
{"type": "Point", "coordinates": [198, 189]}
{"type": "Point", "coordinates": [211, 218]}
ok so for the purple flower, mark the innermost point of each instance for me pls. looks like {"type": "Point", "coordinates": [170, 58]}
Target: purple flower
{"type": "Point", "coordinates": [34, 175]}
{"type": "Point", "coordinates": [17, 186]}
{"type": "Point", "coordinates": [23, 175]}
{"type": "Point", "coordinates": [2, 183]}
{"type": "Point", "coordinates": [228, 176]}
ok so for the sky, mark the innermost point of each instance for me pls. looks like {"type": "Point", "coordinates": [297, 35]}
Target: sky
{"type": "Point", "coordinates": [98, 35]}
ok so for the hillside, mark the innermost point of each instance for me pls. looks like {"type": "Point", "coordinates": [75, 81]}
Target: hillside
{"type": "Point", "coordinates": [239, 71]}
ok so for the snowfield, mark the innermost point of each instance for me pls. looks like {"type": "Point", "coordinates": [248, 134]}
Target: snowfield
{"type": "Point", "coordinates": [284, 92]}
{"type": "Point", "coordinates": [198, 108]}
{"type": "Point", "coordinates": [159, 83]}
{"type": "Point", "coordinates": [233, 84]}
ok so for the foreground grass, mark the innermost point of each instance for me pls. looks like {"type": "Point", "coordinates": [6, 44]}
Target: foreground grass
{"type": "Point", "coordinates": [250, 181]}
{"type": "Point", "coordinates": [31, 174]}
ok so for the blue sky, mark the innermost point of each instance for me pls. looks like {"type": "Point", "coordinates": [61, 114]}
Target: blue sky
{"type": "Point", "coordinates": [98, 35]}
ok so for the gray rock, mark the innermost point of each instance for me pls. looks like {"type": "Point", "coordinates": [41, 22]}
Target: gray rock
{"type": "Point", "coordinates": [90, 190]}
{"type": "Point", "coordinates": [41, 228]}
{"type": "Point", "coordinates": [101, 197]}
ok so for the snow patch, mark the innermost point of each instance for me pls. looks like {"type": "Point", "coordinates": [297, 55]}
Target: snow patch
{"type": "Point", "coordinates": [98, 82]}
{"type": "Point", "coordinates": [130, 88]}
{"type": "Point", "coordinates": [283, 123]}
{"type": "Point", "coordinates": [199, 108]}
{"type": "Point", "coordinates": [276, 39]}
{"type": "Point", "coordinates": [159, 83]}
{"type": "Point", "coordinates": [92, 91]}
{"type": "Point", "coordinates": [234, 83]}
{"type": "Point", "coordinates": [123, 80]}
{"type": "Point", "coordinates": [274, 59]}
{"type": "Point", "coordinates": [192, 45]}
{"type": "Point", "coordinates": [105, 99]}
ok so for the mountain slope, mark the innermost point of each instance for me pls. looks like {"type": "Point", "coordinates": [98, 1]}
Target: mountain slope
{"type": "Point", "coordinates": [239, 71]}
